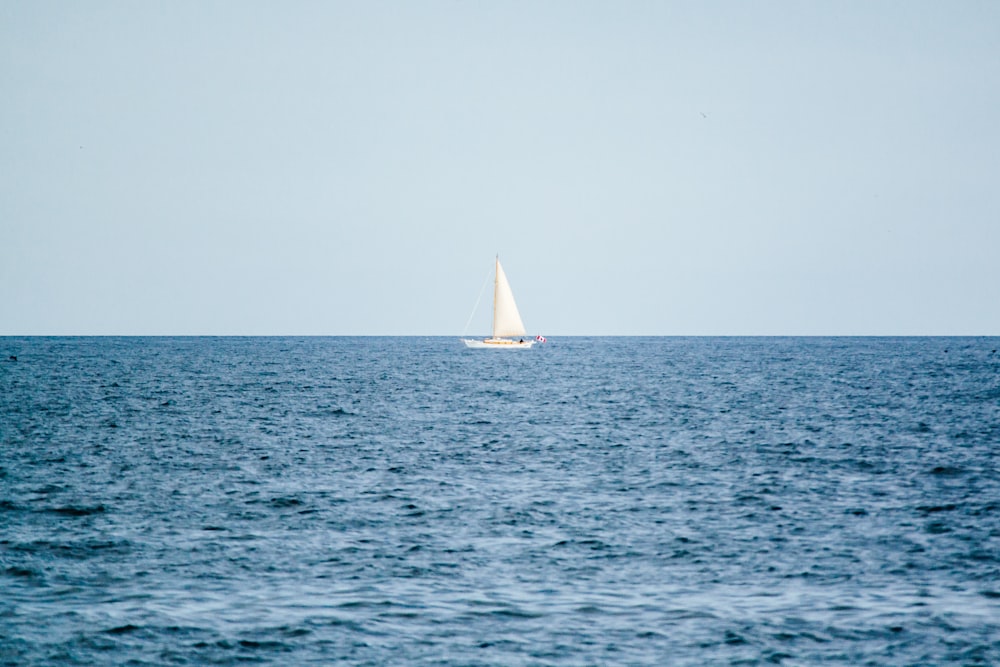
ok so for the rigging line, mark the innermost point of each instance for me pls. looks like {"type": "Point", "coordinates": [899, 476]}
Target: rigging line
{"type": "Point", "coordinates": [478, 299]}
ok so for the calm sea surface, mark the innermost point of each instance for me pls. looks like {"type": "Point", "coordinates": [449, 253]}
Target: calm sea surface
{"type": "Point", "coordinates": [399, 501]}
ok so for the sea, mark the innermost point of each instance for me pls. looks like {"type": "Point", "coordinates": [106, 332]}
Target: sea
{"type": "Point", "coordinates": [591, 501]}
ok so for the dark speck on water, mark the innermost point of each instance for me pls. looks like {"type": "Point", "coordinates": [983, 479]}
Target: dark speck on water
{"type": "Point", "coordinates": [400, 501]}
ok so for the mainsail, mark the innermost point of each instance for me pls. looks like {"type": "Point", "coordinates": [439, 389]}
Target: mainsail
{"type": "Point", "coordinates": [506, 319]}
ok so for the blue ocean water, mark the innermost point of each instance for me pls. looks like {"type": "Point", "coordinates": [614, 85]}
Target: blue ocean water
{"type": "Point", "coordinates": [375, 501]}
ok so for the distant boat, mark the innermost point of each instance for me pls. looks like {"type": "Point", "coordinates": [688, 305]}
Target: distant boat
{"type": "Point", "coordinates": [506, 320]}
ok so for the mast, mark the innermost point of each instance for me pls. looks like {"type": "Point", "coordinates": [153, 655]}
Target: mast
{"type": "Point", "coordinates": [496, 286]}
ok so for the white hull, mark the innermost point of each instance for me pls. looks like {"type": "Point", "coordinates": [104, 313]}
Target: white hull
{"type": "Point", "coordinates": [497, 344]}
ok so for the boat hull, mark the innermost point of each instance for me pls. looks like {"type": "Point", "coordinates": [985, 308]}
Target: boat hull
{"type": "Point", "coordinates": [497, 344]}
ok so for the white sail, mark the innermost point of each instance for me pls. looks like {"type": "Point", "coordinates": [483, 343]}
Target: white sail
{"type": "Point", "coordinates": [506, 319]}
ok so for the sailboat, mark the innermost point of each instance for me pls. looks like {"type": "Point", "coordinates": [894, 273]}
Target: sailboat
{"type": "Point", "coordinates": [506, 319]}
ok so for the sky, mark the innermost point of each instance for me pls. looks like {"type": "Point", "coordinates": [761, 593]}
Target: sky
{"type": "Point", "coordinates": [641, 168]}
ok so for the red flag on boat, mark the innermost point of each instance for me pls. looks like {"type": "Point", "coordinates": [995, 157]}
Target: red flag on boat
{"type": "Point", "coordinates": [540, 339]}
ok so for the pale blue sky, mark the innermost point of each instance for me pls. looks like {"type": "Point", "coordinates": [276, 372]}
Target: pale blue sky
{"type": "Point", "coordinates": [641, 167]}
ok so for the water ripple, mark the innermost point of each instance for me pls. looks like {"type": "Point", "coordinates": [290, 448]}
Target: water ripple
{"type": "Point", "coordinates": [597, 501]}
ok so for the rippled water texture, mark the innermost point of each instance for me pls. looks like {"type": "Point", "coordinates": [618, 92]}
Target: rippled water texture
{"type": "Point", "coordinates": [384, 501]}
